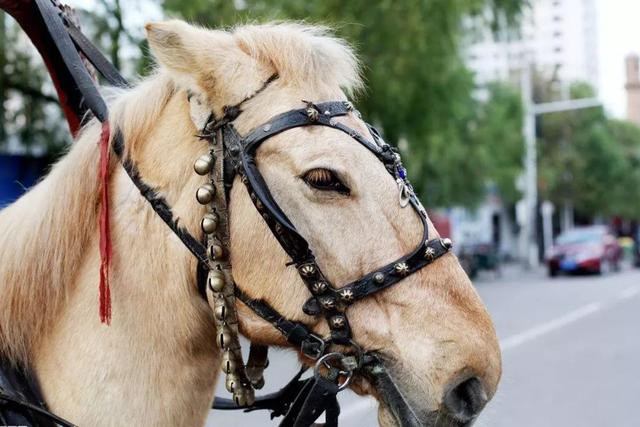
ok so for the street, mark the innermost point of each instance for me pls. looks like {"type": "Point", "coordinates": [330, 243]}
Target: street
{"type": "Point", "coordinates": [570, 351]}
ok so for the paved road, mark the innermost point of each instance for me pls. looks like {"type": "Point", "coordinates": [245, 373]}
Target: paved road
{"type": "Point", "coordinates": [571, 348]}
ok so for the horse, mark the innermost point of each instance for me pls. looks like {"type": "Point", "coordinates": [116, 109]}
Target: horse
{"type": "Point", "coordinates": [156, 363]}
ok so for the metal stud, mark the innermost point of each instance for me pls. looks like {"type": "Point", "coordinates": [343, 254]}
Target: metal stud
{"type": "Point", "coordinates": [446, 243]}
{"type": "Point", "coordinates": [229, 363]}
{"type": "Point", "coordinates": [216, 252]}
{"type": "Point", "coordinates": [216, 281]}
{"type": "Point", "coordinates": [244, 396]}
{"type": "Point", "coordinates": [338, 321]}
{"type": "Point", "coordinates": [378, 278]}
{"type": "Point", "coordinates": [231, 381]}
{"type": "Point", "coordinates": [327, 113]}
{"type": "Point", "coordinates": [346, 295]}
{"type": "Point", "coordinates": [333, 122]}
{"type": "Point", "coordinates": [259, 205]}
{"type": "Point", "coordinates": [348, 105]}
{"type": "Point", "coordinates": [203, 164]}
{"type": "Point", "coordinates": [224, 338]}
{"type": "Point", "coordinates": [401, 268]}
{"type": "Point", "coordinates": [328, 302]}
{"type": "Point", "coordinates": [205, 194]}
{"type": "Point", "coordinates": [209, 223]}
{"type": "Point", "coordinates": [266, 127]}
{"type": "Point", "coordinates": [429, 253]}
{"type": "Point", "coordinates": [307, 270]}
{"type": "Point", "coordinates": [319, 287]}
{"type": "Point", "coordinates": [312, 114]}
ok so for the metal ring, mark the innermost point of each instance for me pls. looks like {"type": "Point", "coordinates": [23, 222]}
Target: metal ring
{"type": "Point", "coordinates": [324, 361]}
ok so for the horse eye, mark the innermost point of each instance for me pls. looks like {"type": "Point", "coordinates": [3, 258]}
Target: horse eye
{"type": "Point", "coordinates": [325, 180]}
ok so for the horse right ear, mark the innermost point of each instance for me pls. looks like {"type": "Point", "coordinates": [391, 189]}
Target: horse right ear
{"type": "Point", "coordinates": [170, 43]}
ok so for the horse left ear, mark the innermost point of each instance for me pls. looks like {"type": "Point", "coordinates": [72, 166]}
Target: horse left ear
{"type": "Point", "coordinates": [170, 43]}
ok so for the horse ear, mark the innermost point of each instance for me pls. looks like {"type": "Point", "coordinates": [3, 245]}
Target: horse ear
{"type": "Point", "coordinates": [169, 42]}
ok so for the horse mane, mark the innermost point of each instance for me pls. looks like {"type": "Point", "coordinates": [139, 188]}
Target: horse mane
{"type": "Point", "coordinates": [45, 234]}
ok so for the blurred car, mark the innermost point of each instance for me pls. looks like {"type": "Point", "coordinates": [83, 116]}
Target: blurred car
{"type": "Point", "coordinates": [479, 256]}
{"type": "Point", "coordinates": [584, 249]}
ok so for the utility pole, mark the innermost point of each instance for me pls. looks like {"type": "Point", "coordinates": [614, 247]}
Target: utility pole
{"type": "Point", "coordinates": [528, 238]}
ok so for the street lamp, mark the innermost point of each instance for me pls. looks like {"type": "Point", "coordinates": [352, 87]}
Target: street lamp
{"type": "Point", "coordinates": [528, 235]}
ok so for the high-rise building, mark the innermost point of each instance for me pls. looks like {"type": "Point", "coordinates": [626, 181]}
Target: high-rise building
{"type": "Point", "coordinates": [558, 36]}
{"type": "Point", "coordinates": [633, 89]}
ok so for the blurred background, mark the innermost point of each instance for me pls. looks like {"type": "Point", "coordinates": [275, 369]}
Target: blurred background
{"type": "Point", "coordinates": [519, 121]}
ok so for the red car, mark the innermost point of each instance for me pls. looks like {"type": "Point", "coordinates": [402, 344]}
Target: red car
{"type": "Point", "coordinates": [584, 249]}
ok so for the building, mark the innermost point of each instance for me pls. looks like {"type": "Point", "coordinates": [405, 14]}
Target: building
{"type": "Point", "coordinates": [558, 36]}
{"type": "Point", "coordinates": [633, 89]}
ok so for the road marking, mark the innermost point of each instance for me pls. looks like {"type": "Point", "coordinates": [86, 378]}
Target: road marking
{"type": "Point", "coordinates": [569, 318]}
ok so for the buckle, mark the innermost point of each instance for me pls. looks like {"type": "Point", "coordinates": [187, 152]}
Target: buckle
{"type": "Point", "coordinates": [313, 347]}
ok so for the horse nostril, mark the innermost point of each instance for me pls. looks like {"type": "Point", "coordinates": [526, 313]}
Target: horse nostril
{"type": "Point", "coordinates": [465, 400]}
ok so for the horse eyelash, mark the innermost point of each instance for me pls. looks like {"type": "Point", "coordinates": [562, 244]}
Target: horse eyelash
{"type": "Point", "coordinates": [326, 180]}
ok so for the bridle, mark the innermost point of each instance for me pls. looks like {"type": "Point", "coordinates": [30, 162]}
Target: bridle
{"type": "Point", "coordinates": [336, 358]}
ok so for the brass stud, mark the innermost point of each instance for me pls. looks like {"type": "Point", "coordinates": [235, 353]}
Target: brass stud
{"type": "Point", "coordinates": [224, 338]}
{"type": "Point", "coordinates": [312, 114]}
{"type": "Point", "coordinates": [346, 295]}
{"type": "Point", "coordinates": [205, 194]}
{"type": "Point", "coordinates": [338, 321]}
{"type": "Point", "coordinates": [327, 303]}
{"type": "Point", "coordinates": [430, 253]}
{"type": "Point", "coordinates": [378, 278]}
{"type": "Point", "coordinates": [278, 228]}
{"type": "Point", "coordinates": [216, 281]}
{"type": "Point", "coordinates": [307, 270]}
{"type": "Point", "coordinates": [216, 252]}
{"type": "Point", "coordinates": [230, 382]}
{"type": "Point", "coordinates": [319, 287]}
{"type": "Point", "coordinates": [401, 268]}
{"type": "Point", "coordinates": [244, 396]}
{"type": "Point", "coordinates": [259, 205]}
{"type": "Point", "coordinates": [204, 164]}
{"type": "Point", "coordinates": [229, 364]}
{"type": "Point", "coordinates": [209, 223]}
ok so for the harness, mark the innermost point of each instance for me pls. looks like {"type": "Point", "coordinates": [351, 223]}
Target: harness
{"type": "Point", "coordinates": [335, 358]}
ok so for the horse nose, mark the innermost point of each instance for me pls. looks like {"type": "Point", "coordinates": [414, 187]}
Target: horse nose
{"type": "Point", "coordinates": [465, 399]}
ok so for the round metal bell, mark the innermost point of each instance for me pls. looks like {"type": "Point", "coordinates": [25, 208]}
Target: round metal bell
{"type": "Point", "coordinates": [244, 396]}
{"type": "Point", "coordinates": [209, 223]}
{"type": "Point", "coordinates": [224, 338]}
{"type": "Point", "coordinates": [229, 364]}
{"type": "Point", "coordinates": [203, 164]}
{"type": "Point", "coordinates": [216, 281]}
{"type": "Point", "coordinates": [220, 310]}
{"type": "Point", "coordinates": [230, 382]}
{"type": "Point", "coordinates": [205, 194]}
{"type": "Point", "coordinates": [216, 252]}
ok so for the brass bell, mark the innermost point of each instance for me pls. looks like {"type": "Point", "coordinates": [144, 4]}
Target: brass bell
{"type": "Point", "coordinates": [209, 223]}
{"type": "Point", "coordinates": [216, 281]}
{"type": "Point", "coordinates": [220, 310]}
{"type": "Point", "coordinates": [230, 382]}
{"type": "Point", "coordinates": [205, 194]}
{"type": "Point", "coordinates": [229, 363]}
{"type": "Point", "coordinates": [224, 338]}
{"type": "Point", "coordinates": [378, 278]}
{"type": "Point", "coordinates": [216, 252]}
{"type": "Point", "coordinates": [203, 164]}
{"type": "Point", "coordinates": [244, 396]}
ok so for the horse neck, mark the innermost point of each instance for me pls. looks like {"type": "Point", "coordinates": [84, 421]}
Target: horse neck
{"type": "Point", "coordinates": [42, 238]}
{"type": "Point", "coordinates": [160, 346]}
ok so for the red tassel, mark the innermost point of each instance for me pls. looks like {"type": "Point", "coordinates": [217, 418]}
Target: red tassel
{"type": "Point", "coordinates": [105, 235]}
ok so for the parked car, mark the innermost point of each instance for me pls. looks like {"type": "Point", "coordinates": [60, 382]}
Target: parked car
{"type": "Point", "coordinates": [479, 256]}
{"type": "Point", "coordinates": [585, 249]}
